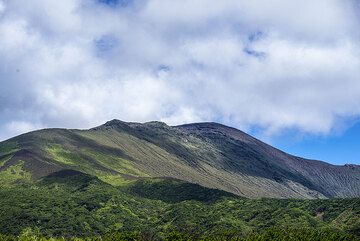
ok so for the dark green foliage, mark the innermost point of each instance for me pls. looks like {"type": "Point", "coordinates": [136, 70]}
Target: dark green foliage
{"type": "Point", "coordinates": [300, 235]}
{"type": "Point", "coordinates": [270, 234]}
{"type": "Point", "coordinates": [172, 191]}
{"type": "Point", "coordinates": [70, 203]}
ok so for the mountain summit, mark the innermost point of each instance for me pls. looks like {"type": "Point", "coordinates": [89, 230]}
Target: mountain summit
{"type": "Point", "coordinates": [209, 154]}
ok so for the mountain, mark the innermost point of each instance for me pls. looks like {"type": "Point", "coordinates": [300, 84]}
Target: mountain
{"type": "Point", "coordinates": [151, 181]}
{"type": "Point", "coordinates": [209, 154]}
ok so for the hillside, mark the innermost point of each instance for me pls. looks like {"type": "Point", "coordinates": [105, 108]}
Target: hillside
{"type": "Point", "coordinates": [74, 204]}
{"type": "Point", "coordinates": [209, 154]}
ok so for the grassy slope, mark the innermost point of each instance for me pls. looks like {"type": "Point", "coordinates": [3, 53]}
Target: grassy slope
{"type": "Point", "coordinates": [71, 203]}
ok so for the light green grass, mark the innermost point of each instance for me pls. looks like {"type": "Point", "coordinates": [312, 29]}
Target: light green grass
{"type": "Point", "coordinates": [73, 159]}
{"type": "Point", "coordinates": [3, 160]}
{"type": "Point", "coordinates": [61, 155]}
{"type": "Point", "coordinates": [115, 180]}
{"type": "Point", "coordinates": [13, 174]}
{"type": "Point", "coordinates": [118, 164]}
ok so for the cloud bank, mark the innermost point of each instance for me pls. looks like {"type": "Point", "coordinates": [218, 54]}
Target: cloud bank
{"type": "Point", "coordinates": [273, 65]}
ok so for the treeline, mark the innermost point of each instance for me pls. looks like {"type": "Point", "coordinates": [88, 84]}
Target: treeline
{"type": "Point", "coordinates": [269, 234]}
{"type": "Point", "coordinates": [83, 207]}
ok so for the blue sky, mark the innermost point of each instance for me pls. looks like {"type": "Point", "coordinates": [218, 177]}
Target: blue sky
{"type": "Point", "coordinates": [289, 69]}
{"type": "Point", "coordinates": [341, 148]}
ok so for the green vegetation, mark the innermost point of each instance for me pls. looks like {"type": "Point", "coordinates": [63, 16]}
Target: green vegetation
{"type": "Point", "coordinates": [174, 191]}
{"type": "Point", "coordinates": [62, 156]}
{"type": "Point", "coordinates": [4, 159]}
{"type": "Point", "coordinates": [72, 204]}
{"type": "Point", "coordinates": [115, 180]}
{"type": "Point", "coordinates": [6, 151]}
{"type": "Point", "coordinates": [114, 163]}
{"type": "Point", "coordinates": [270, 234]}
{"type": "Point", "coordinates": [8, 148]}
{"type": "Point", "coordinates": [107, 167]}
{"type": "Point", "coordinates": [14, 174]}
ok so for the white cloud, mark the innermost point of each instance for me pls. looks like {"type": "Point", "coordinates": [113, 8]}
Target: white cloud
{"type": "Point", "coordinates": [279, 65]}
{"type": "Point", "coordinates": [18, 127]}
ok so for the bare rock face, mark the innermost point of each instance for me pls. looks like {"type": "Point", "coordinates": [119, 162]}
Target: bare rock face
{"type": "Point", "coordinates": [209, 154]}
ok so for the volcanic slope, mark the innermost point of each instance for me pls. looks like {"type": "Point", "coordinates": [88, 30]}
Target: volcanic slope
{"type": "Point", "coordinates": [209, 154]}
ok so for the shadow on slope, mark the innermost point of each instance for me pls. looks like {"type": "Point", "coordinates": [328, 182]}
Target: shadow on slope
{"type": "Point", "coordinates": [171, 190]}
{"type": "Point", "coordinates": [72, 180]}
{"type": "Point", "coordinates": [168, 190]}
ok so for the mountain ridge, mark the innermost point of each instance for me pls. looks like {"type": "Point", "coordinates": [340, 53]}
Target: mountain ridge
{"type": "Point", "coordinates": [210, 154]}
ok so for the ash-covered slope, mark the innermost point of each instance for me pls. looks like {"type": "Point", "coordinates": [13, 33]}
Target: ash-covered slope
{"type": "Point", "coordinates": [246, 154]}
{"type": "Point", "coordinates": [208, 154]}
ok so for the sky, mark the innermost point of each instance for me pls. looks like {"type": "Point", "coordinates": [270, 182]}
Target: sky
{"type": "Point", "coordinates": [286, 71]}
{"type": "Point", "coordinates": [337, 148]}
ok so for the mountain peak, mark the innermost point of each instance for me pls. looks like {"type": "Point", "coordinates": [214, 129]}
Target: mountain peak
{"type": "Point", "coordinates": [207, 126]}
{"type": "Point", "coordinates": [156, 124]}
{"type": "Point", "coordinates": [114, 122]}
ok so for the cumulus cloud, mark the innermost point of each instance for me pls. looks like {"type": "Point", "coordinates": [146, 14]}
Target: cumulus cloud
{"type": "Point", "coordinates": [274, 65]}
